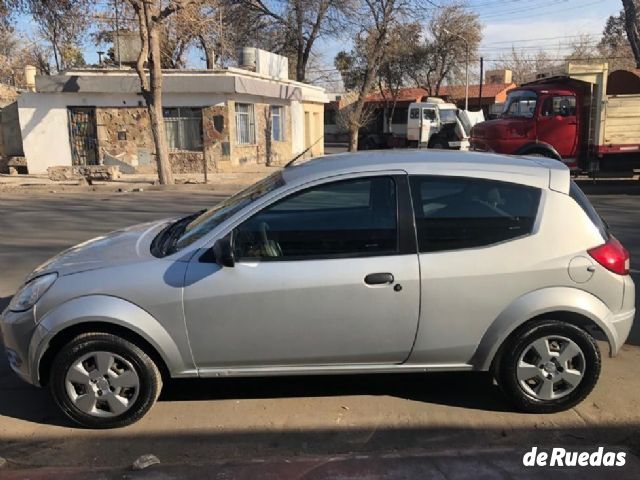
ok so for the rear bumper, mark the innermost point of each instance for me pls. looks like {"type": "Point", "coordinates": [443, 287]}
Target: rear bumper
{"type": "Point", "coordinates": [621, 324]}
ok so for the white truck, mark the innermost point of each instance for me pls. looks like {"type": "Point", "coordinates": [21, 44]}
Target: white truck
{"type": "Point", "coordinates": [437, 124]}
{"type": "Point", "coordinates": [432, 123]}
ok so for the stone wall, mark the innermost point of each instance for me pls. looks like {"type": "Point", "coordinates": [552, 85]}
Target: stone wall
{"type": "Point", "coordinates": [215, 132]}
{"type": "Point", "coordinates": [187, 162]}
{"type": "Point", "coordinates": [124, 137]}
{"type": "Point", "coordinates": [124, 134]}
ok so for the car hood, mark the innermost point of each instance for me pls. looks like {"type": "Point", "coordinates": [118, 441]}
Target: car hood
{"type": "Point", "coordinates": [124, 246]}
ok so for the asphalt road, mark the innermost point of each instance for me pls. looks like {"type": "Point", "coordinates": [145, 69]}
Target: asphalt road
{"type": "Point", "coordinates": [241, 420]}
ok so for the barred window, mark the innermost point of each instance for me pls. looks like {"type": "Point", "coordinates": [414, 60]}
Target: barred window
{"type": "Point", "coordinates": [277, 124]}
{"type": "Point", "coordinates": [245, 124]}
{"type": "Point", "coordinates": [183, 127]}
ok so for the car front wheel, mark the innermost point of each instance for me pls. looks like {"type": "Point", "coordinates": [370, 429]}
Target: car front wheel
{"type": "Point", "coordinates": [100, 380]}
{"type": "Point", "coordinates": [549, 366]}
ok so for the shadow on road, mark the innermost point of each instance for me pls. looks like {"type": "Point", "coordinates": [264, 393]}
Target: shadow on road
{"type": "Point", "coordinates": [442, 445]}
{"type": "Point", "coordinates": [461, 389]}
{"type": "Point", "coordinates": [468, 390]}
{"type": "Point", "coordinates": [609, 187]}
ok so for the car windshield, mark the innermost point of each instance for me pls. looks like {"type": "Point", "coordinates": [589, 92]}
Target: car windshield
{"type": "Point", "coordinates": [448, 116]}
{"type": "Point", "coordinates": [210, 219]}
{"type": "Point", "coordinates": [520, 103]}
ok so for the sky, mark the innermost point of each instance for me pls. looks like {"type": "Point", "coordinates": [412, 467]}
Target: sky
{"type": "Point", "coordinates": [524, 24]}
{"type": "Point", "coordinates": [527, 25]}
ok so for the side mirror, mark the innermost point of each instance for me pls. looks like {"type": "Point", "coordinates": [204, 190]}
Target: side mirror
{"type": "Point", "coordinates": [223, 251]}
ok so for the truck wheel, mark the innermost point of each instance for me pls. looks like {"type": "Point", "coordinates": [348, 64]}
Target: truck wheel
{"type": "Point", "coordinates": [439, 144]}
{"type": "Point", "coordinates": [548, 366]}
{"type": "Point", "coordinates": [100, 380]}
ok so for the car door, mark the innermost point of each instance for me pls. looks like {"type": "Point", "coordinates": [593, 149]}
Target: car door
{"type": "Point", "coordinates": [429, 124]}
{"type": "Point", "coordinates": [558, 124]}
{"type": "Point", "coordinates": [477, 255]}
{"type": "Point", "coordinates": [327, 275]}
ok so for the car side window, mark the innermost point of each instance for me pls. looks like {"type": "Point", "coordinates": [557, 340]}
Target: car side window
{"type": "Point", "coordinates": [349, 218]}
{"type": "Point", "coordinates": [460, 212]}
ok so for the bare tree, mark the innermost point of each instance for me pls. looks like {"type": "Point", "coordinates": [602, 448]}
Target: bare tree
{"type": "Point", "coordinates": [614, 46]}
{"type": "Point", "coordinates": [151, 15]}
{"type": "Point", "coordinates": [443, 54]}
{"type": "Point", "coordinates": [524, 65]}
{"type": "Point", "coordinates": [392, 75]}
{"type": "Point", "coordinates": [582, 49]}
{"type": "Point", "coordinates": [377, 18]}
{"type": "Point", "coordinates": [63, 23]}
{"type": "Point", "coordinates": [301, 23]}
{"type": "Point", "coordinates": [632, 26]}
{"type": "Point", "coordinates": [347, 116]}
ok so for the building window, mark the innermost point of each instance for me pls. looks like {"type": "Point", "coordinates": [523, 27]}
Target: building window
{"type": "Point", "coordinates": [277, 124]}
{"type": "Point", "coordinates": [184, 128]}
{"type": "Point", "coordinates": [245, 124]}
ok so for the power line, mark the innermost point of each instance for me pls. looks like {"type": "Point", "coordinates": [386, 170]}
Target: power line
{"type": "Point", "coordinates": [536, 39]}
{"type": "Point", "coordinates": [537, 13]}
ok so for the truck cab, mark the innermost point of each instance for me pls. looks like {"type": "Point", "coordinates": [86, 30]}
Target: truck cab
{"type": "Point", "coordinates": [539, 119]}
{"type": "Point", "coordinates": [433, 124]}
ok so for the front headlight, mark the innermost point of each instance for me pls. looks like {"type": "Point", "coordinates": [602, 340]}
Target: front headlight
{"type": "Point", "coordinates": [31, 292]}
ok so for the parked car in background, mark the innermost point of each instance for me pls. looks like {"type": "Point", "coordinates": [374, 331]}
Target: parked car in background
{"type": "Point", "coordinates": [392, 261]}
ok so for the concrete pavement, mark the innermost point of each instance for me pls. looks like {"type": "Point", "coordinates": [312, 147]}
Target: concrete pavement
{"type": "Point", "coordinates": [229, 423]}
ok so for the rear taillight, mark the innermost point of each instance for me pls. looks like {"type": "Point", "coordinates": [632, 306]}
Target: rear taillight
{"type": "Point", "coordinates": [612, 256]}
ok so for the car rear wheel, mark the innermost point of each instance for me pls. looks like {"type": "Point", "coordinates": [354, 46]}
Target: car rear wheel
{"type": "Point", "coordinates": [100, 380]}
{"type": "Point", "coordinates": [549, 366]}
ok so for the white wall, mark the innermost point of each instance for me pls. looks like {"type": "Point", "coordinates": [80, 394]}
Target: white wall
{"type": "Point", "coordinates": [297, 128]}
{"type": "Point", "coordinates": [45, 135]}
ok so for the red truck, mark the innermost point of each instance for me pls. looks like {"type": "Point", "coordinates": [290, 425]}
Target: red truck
{"type": "Point", "coordinates": [568, 115]}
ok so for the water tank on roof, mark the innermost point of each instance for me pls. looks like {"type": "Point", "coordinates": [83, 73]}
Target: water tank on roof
{"type": "Point", "coordinates": [247, 58]}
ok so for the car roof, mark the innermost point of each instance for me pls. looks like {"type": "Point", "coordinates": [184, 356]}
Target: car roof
{"type": "Point", "coordinates": [539, 172]}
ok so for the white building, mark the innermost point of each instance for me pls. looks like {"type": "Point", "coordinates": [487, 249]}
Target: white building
{"type": "Point", "coordinates": [230, 117]}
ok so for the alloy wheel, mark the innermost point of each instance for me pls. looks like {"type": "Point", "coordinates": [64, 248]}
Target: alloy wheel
{"type": "Point", "coordinates": [550, 367]}
{"type": "Point", "coordinates": [102, 384]}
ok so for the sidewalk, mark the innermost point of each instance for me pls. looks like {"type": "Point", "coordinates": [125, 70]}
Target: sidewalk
{"type": "Point", "coordinates": [228, 182]}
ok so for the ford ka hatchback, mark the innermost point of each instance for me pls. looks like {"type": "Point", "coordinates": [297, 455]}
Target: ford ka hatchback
{"type": "Point", "coordinates": [393, 261]}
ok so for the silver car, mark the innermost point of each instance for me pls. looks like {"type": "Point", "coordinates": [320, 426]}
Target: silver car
{"type": "Point", "coordinates": [394, 261]}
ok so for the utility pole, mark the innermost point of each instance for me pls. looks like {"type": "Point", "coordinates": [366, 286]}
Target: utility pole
{"type": "Point", "coordinates": [481, 82]}
{"type": "Point", "coordinates": [117, 35]}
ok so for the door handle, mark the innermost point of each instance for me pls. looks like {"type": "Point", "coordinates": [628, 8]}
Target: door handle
{"type": "Point", "coordinates": [378, 278]}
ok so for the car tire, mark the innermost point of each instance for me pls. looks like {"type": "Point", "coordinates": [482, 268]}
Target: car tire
{"type": "Point", "coordinates": [567, 383]}
{"type": "Point", "coordinates": [79, 378]}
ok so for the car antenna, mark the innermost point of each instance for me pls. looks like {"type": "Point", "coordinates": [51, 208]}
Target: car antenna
{"type": "Point", "coordinates": [291, 162]}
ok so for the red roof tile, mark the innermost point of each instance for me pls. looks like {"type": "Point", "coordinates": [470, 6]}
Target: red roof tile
{"type": "Point", "coordinates": [489, 90]}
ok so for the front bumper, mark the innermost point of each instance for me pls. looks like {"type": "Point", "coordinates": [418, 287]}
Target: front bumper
{"type": "Point", "coordinates": [17, 330]}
